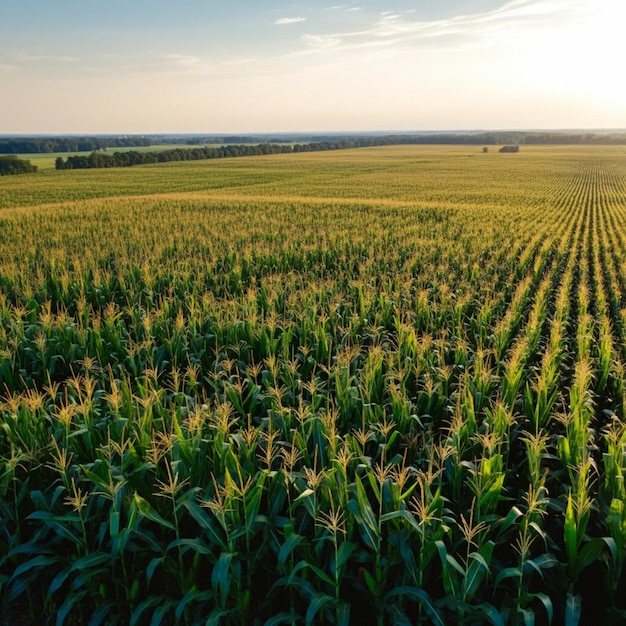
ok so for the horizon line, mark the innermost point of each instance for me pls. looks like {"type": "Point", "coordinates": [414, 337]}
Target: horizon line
{"type": "Point", "coordinates": [317, 132]}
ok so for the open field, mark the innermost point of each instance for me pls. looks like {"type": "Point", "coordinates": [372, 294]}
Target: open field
{"type": "Point", "coordinates": [375, 386]}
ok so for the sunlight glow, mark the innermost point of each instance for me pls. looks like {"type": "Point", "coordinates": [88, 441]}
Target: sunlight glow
{"type": "Point", "coordinates": [517, 64]}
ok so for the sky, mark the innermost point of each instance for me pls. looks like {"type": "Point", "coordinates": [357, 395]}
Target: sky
{"type": "Point", "coordinates": [244, 66]}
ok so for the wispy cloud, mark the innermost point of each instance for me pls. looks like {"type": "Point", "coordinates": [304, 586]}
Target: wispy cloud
{"type": "Point", "coordinates": [185, 60]}
{"type": "Point", "coordinates": [20, 56]}
{"type": "Point", "coordinates": [347, 7]}
{"type": "Point", "coordinates": [514, 18]}
{"type": "Point", "coordinates": [150, 63]}
{"type": "Point", "coordinates": [322, 42]}
{"type": "Point", "coordinates": [240, 61]}
{"type": "Point", "coordinates": [289, 20]}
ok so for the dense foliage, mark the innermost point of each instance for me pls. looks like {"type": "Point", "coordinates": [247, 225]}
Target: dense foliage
{"type": "Point", "coordinates": [381, 386]}
{"type": "Point", "coordinates": [33, 145]}
{"type": "Point", "coordinates": [12, 165]}
{"type": "Point", "coordinates": [132, 157]}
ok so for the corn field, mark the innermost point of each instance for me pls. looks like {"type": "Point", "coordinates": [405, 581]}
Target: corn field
{"type": "Point", "coordinates": [380, 386]}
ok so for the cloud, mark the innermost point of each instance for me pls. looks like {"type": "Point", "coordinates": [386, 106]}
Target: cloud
{"type": "Point", "coordinates": [182, 64]}
{"type": "Point", "coordinates": [512, 19]}
{"type": "Point", "coordinates": [321, 42]}
{"type": "Point", "coordinates": [240, 61]}
{"type": "Point", "coordinates": [185, 60]}
{"type": "Point", "coordinates": [20, 56]}
{"type": "Point", "coordinates": [289, 20]}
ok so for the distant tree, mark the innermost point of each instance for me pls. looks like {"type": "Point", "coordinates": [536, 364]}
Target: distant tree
{"type": "Point", "coordinates": [12, 165]}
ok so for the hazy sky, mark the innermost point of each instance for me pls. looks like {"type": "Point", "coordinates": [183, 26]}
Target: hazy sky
{"type": "Point", "coordinates": [148, 66]}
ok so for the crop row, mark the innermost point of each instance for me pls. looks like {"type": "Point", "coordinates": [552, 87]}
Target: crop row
{"type": "Point", "coordinates": [363, 409]}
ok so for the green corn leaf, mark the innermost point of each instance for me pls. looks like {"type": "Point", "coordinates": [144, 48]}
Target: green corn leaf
{"type": "Point", "coordinates": [407, 547]}
{"type": "Point", "coordinates": [511, 518]}
{"type": "Point", "coordinates": [547, 603]}
{"type": "Point", "coordinates": [276, 496]}
{"type": "Point", "coordinates": [398, 616]}
{"type": "Point", "coordinates": [477, 569]}
{"type": "Point", "coordinates": [448, 578]}
{"type": "Point", "coordinates": [192, 596]}
{"type": "Point", "coordinates": [292, 581]}
{"type": "Point", "coordinates": [364, 515]}
{"type": "Point", "coordinates": [195, 545]}
{"type": "Point", "coordinates": [407, 516]}
{"type": "Point", "coordinates": [219, 616]}
{"type": "Point", "coordinates": [85, 578]}
{"type": "Point", "coordinates": [451, 560]}
{"type": "Point", "coordinates": [103, 614]}
{"type": "Point", "coordinates": [148, 603]}
{"type": "Point", "coordinates": [317, 603]}
{"type": "Point", "coordinates": [507, 572]}
{"type": "Point", "coordinates": [132, 513]}
{"type": "Point", "coordinates": [234, 400]}
{"type": "Point", "coordinates": [37, 562]}
{"type": "Point", "coordinates": [343, 614]}
{"type": "Point", "coordinates": [316, 570]}
{"type": "Point", "coordinates": [221, 575]}
{"type": "Point", "coordinates": [307, 497]}
{"type": "Point", "coordinates": [416, 594]}
{"type": "Point", "coordinates": [94, 477]}
{"type": "Point", "coordinates": [590, 552]}
{"type": "Point", "coordinates": [491, 613]}
{"type": "Point", "coordinates": [288, 547]}
{"type": "Point", "coordinates": [374, 484]}
{"type": "Point", "coordinates": [71, 600]}
{"type": "Point", "coordinates": [204, 521]}
{"type": "Point", "coordinates": [161, 611]}
{"type": "Point", "coordinates": [573, 609]}
{"type": "Point", "coordinates": [282, 618]}
{"type": "Point", "coordinates": [569, 532]}
{"type": "Point", "coordinates": [387, 495]}
{"type": "Point", "coordinates": [371, 583]}
{"type": "Point", "coordinates": [543, 561]}
{"type": "Point", "coordinates": [90, 561]}
{"type": "Point", "coordinates": [145, 508]}
{"type": "Point", "coordinates": [154, 563]}
{"type": "Point", "coordinates": [114, 524]}
{"type": "Point", "coordinates": [612, 545]}
{"type": "Point", "coordinates": [346, 549]}
{"type": "Point", "coordinates": [538, 530]}
{"type": "Point", "coordinates": [528, 615]}
{"type": "Point", "coordinates": [253, 502]}
{"type": "Point", "coordinates": [57, 582]}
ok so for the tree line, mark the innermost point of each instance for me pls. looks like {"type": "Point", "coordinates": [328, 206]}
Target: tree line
{"type": "Point", "coordinates": [510, 139]}
{"type": "Point", "coordinates": [12, 165]}
{"type": "Point", "coordinates": [26, 145]}
{"type": "Point", "coordinates": [132, 157]}
{"type": "Point", "coordinates": [47, 145]}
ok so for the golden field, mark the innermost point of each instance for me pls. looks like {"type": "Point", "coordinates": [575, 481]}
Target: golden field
{"type": "Point", "coordinates": [379, 385]}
